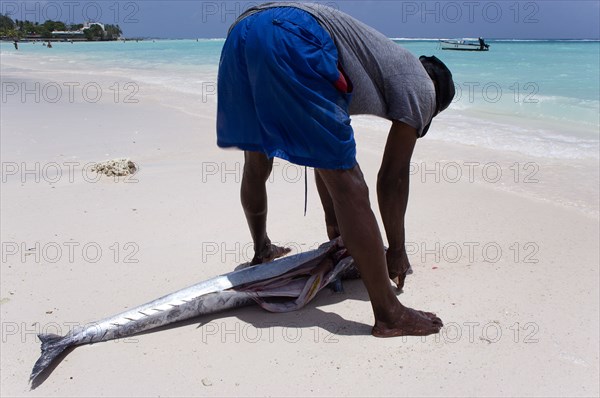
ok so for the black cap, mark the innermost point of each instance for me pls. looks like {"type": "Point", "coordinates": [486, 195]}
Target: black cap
{"type": "Point", "coordinates": [442, 80]}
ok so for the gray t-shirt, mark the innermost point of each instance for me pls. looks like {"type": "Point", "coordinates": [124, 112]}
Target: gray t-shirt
{"type": "Point", "coordinates": [389, 81]}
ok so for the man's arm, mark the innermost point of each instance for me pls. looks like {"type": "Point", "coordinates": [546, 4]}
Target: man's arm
{"type": "Point", "coordinates": [392, 194]}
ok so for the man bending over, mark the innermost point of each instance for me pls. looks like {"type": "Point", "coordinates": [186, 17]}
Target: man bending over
{"type": "Point", "coordinates": [290, 76]}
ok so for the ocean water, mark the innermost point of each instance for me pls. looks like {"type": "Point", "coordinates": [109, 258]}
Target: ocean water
{"type": "Point", "coordinates": [541, 98]}
{"type": "Point", "coordinates": [538, 98]}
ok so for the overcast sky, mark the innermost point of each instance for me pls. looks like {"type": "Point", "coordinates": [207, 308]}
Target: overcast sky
{"type": "Point", "coordinates": [541, 19]}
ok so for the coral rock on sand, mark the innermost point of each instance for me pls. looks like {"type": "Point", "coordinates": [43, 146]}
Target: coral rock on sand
{"type": "Point", "coordinates": [115, 167]}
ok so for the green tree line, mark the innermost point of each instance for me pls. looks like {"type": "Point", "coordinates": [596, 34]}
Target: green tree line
{"type": "Point", "coordinates": [18, 29]}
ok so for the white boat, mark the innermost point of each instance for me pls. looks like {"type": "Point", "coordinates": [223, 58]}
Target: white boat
{"type": "Point", "coordinates": [465, 45]}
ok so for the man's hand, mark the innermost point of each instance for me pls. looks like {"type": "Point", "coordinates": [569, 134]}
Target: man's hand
{"type": "Point", "coordinates": [398, 266]}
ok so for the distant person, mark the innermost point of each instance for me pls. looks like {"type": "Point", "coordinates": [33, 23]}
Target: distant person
{"type": "Point", "coordinates": [16, 45]}
{"type": "Point", "coordinates": [482, 45]}
{"type": "Point", "coordinates": [49, 44]}
{"type": "Point", "coordinates": [290, 76]}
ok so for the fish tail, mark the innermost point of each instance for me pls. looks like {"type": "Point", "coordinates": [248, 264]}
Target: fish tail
{"type": "Point", "coordinates": [52, 346]}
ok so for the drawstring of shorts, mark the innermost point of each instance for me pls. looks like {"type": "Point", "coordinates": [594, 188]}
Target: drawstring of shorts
{"type": "Point", "coordinates": [305, 189]}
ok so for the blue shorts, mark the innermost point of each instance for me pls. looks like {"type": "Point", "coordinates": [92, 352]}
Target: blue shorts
{"type": "Point", "coordinates": [280, 91]}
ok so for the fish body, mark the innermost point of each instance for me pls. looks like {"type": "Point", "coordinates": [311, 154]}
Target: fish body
{"type": "Point", "coordinates": [282, 285]}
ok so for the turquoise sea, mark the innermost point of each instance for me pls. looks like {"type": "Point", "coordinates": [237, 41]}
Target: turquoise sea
{"type": "Point", "coordinates": [540, 98]}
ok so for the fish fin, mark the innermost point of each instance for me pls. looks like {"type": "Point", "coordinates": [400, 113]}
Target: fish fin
{"type": "Point", "coordinates": [49, 338]}
{"type": "Point", "coordinates": [52, 346]}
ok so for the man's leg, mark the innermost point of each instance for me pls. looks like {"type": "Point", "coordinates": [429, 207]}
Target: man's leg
{"type": "Point", "coordinates": [333, 231]}
{"type": "Point", "coordinates": [257, 168]}
{"type": "Point", "coordinates": [362, 238]}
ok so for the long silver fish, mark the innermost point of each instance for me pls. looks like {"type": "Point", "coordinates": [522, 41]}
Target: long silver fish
{"type": "Point", "coordinates": [282, 285]}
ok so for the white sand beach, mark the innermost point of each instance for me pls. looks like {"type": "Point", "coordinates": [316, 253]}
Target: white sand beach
{"type": "Point", "coordinates": [509, 261]}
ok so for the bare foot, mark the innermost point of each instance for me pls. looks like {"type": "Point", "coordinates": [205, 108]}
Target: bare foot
{"type": "Point", "coordinates": [409, 322]}
{"type": "Point", "coordinates": [270, 253]}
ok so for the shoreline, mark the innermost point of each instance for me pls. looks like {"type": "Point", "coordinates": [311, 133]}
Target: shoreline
{"type": "Point", "coordinates": [546, 179]}
{"type": "Point", "coordinates": [55, 40]}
